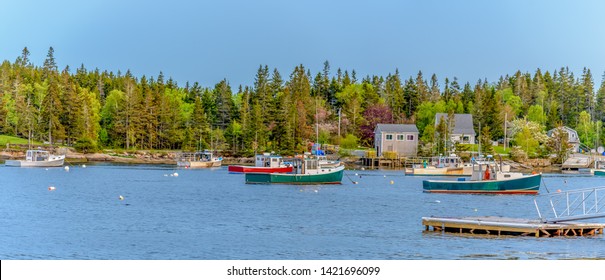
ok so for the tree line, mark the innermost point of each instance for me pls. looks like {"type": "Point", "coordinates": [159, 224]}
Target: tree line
{"type": "Point", "coordinates": [93, 109]}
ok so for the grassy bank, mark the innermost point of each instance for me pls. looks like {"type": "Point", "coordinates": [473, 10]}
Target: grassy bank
{"type": "Point", "coordinates": [13, 140]}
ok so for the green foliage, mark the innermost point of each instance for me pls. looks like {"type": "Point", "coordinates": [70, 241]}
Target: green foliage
{"type": "Point", "coordinates": [526, 142]}
{"type": "Point", "coordinates": [512, 100]}
{"type": "Point", "coordinates": [486, 141]}
{"type": "Point", "coordinates": [349, 142]}
{"type": "Point", "coordinates": [586, 129]}
{"type": "Point", "coordinates": [86, 145]}
{"type": "Point", "coordinates": [536, 114]}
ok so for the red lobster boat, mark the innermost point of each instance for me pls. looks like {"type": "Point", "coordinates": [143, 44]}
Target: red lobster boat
{"type": "Point", "coordinates": [265, 163]}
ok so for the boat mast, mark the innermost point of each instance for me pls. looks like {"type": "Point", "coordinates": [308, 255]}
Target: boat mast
{"type": "Point", "coordinates": [316, 121]}
{"type": "Point", "coordinates": [479, 138]}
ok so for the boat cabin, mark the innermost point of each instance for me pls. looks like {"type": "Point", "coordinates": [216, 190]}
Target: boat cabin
{"type": "Point", "coordinates": [37, 155]}
{"type": "Point", "coordinates": [486, 169]}
{"type": "Point", "coordinates": [446, 161]}
{"type": "Point", "coordinates": [197, 156]}
{"type": "Point", "coordinates": [269, 160]}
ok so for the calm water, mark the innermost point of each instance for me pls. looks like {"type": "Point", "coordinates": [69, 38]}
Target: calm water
{"type": "Point", "coordinates": [210, 214]}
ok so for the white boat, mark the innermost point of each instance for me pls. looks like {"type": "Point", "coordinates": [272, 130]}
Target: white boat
{"type": "Point", "coordinates": [202, 159]}
{"type": "Point", "coordinates": [38, 158]}
{"type": "Point", "coordinates": [451, 165]}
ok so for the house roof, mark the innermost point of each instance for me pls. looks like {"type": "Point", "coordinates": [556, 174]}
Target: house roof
{"type": "Point", "coordinates": [571, 134]}
{"type": "Point", "coordinates": [563, 127]}
{"type": "Point", "coordinates": [395, 128]}
{"type": "Point", "coordinates": [463, 123]}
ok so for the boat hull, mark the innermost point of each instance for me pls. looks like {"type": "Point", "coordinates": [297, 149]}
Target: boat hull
{"type": "Point", "coordinates": [328, 177]}
{"type": "Point", "coordinates": [25, 163]}
{"type": "Point", "coordinates": [199, 164]}
{"type": "Point", "coordinates": [524, 185]}
{"type": "Point", "coordinates": [254, 169]}
{"type": "Point", "coordinates": [599, 172]}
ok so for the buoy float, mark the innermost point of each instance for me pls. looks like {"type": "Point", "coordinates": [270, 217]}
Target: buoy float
{"type": "Point", "coordinates": [83, 165]}
{"type": "Point", "coordinates": [66, 168]}
{"type": "Point", "coordinates": [385, 176]}
{"type": "Point", "coordinates": [475, 210]}
{"type": "Point", "coordinates": [176, 174]}
{"type": "Point", "coordinates": [392, 182]}
{"type": "Point", "coordinates": [356, 174]}
{"type": "Point", "coordinates": [121, 197]}
{"type": "Point", "coordinates": [559, 190]}
{"type": "Point", "coordinates": [437, 201]}
{"type": "Point", "coordinates": [362, 169]}
{"type": "Point", "coordinates": [51, 188]}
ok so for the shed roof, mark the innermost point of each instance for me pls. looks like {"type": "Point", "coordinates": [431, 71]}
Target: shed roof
{"type": "Point", "coordinates": [395, 128]}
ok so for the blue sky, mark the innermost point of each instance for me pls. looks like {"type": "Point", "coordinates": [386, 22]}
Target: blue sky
{"type": "Point", "coordinates": [207, 41]}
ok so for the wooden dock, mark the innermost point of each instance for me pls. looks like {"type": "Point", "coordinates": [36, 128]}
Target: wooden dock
{"type": "Point", "coordinates": [376, 162]}
{"type": "Point", "coordinates": [510, 226]}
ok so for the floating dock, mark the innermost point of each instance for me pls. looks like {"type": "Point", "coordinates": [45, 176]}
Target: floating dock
{"type": "Point", "coordinates": [510, 226]}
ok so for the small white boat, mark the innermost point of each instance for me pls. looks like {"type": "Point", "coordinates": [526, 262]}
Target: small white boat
{"type": "Point", "coordinates": [38, 158]}
{"type": "Point", "coordinates": [203, 159]}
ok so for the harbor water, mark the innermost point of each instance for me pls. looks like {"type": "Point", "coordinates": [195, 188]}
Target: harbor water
{"type": "Point", "coordinates": [160, 212]}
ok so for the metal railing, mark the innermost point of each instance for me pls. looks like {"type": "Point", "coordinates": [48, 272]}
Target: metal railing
{"type": "Point", "coordinates": [571, 205]}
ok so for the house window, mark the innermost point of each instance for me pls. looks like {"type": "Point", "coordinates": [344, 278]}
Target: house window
{"type": "Point", "coordinates": [410, 137]}
{"type": "Point", "coordinates": [389, 137]}
{"type": "Point", "coordinates": [466, 139]}
{"type": "Point", "coordinates": [399, 137]}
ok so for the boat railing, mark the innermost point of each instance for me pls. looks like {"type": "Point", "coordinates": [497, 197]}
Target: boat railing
{"type": "Point", "coordinates": [571, 205]}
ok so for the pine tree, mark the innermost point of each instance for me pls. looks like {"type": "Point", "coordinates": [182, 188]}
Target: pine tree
{"type": "Point", "coordinates": [224, 103]}
{"type": "Point", "coordinates": [411, 97]}
{"type": "Point", "coordinates": [394, 95]}
{"type": "Point", "coordinates": [51, 110]}
{"type": "Point", "coordinates": [435, 92]}
{"type": "Point", "coordinates": [71, 117]}
{"type": "Point", "coordinates": [600, 101]}
{"type": "Point", "coordinates": [422, 88]}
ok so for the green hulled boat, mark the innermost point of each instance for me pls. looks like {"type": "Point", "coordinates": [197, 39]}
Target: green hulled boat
{"type": "Point", "coordinates": [307, 171]}
{"type": "Point", "coordinates": [599, 172]}
{"type": "Point", "coordinates": [487, 179]}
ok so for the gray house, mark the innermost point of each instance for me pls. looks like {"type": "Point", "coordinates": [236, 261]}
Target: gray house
{"type": "Point", "coordinates": [461, 127]}
{"type": "Point", "coordinates": [572, 137]}
{"type": "Point", "coordinates": [400, 138]}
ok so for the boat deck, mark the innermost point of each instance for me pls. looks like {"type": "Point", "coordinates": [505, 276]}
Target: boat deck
{"type": "Point", "coordinates": [491, 225]}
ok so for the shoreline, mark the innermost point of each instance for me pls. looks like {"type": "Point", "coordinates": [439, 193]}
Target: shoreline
{"type": "Point", "coordinates": [169, 157]}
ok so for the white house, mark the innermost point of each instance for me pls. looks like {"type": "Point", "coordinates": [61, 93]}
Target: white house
{"type": "Point", "coordinates": [400, 138]}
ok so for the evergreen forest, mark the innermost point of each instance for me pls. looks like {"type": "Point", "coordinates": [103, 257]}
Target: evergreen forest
{"type": "Point", "coordinates": [283, 112]}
